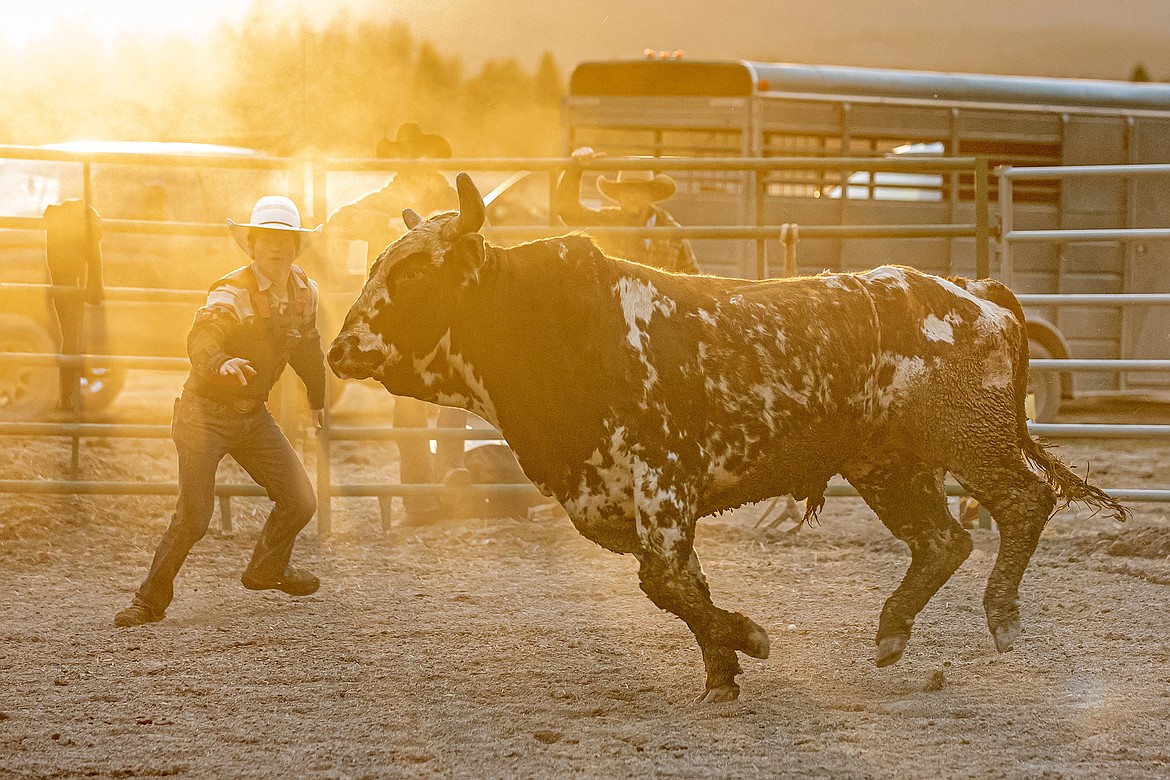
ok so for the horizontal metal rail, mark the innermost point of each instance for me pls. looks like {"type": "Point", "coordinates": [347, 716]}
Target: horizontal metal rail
{"type": "Point", "coordinates": [172, 295]}
{"type": "Point", "coordinates": [388, 489]}
{"type": "Point", "coordinates": [86, 430]}
{"type": "Point", "coordinates": [13, 152]}
{"type": "Point", "coordinates": [729, 164]}
{"type": "Point", "coordinates": [769, 232]}
{"type": "Point", "coordinates": [1098, 431]}
{"type": "Point", "coordinates": [1099, 365]}
{"type": "Point", "coordinates": [150, 362]}
{"type": "Point", "coordinates": [1081, 171]}
{"type": "Point", "coordinates": [777, 232]}
{"type": "Point", "coordinates": [336, 432]}
{"type": "Point", "coordinates": [255, 161]}
{"type": "Point", "coordinates": [135, 294]}
{"type": "Point", "coordinates": [1103, 234]}
{"type": "Point", "coordinates": [1121, 494]}
{"type": "Point", "coordinates": [146, 227]}
{"type": "Point", "coordinates": [83, 487]}
{"type": "Point", "coordinates": [383, 433]}
{"type": "Point", "coordinates": [159, 363]}
{"type": "Point", "coordinates": [1094, 299]}
{"type": "Point", "coordinates": [369, 490]}
{"type": "Point", "coordinates": [385, 489]}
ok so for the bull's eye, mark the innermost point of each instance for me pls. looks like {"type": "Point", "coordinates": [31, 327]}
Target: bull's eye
{"type": "Point", "coordinates": [412, 274]}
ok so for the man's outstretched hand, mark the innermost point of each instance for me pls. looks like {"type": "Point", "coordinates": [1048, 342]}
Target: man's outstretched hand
{"type": "Point", "coordinates": [238, 368]}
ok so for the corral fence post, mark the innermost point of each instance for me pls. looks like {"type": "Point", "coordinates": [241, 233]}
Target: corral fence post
{"type": "Point", "coordinates": [386, 512]}
{"type": "Point", "coordinates": [1007, 265]}
{"type": "Point", "coordinates": [789, 235]}
{"type": "Point", "coordinates": [225, 513]}
{"type": "Point", "coordinates": [982, 221]}
{"type": "Point", "coordinates": [324, 478]}
{"type": "Point", "coordinates": [759, 178]}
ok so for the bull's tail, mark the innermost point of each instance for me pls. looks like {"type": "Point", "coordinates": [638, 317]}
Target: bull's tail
{"type": "Point", "coordinates": [1067, 485]}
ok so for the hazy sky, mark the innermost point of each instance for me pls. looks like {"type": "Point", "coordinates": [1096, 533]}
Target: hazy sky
{"type": "Point", "coordinates": [29, 19]}
{"type": "Point", "coordinates": [1102, 38]}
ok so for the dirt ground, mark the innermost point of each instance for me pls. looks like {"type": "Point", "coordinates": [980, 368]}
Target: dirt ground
{"type": "Point", "coordinates": [507, 648]}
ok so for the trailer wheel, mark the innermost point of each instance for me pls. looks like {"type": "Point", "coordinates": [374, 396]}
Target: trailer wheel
{"type": "Point", "coordinates": [1043, 386]}
{"type": "Point", "coordinates": [27, 392]}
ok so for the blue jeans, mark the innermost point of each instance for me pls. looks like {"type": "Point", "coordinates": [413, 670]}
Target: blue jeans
{"type": "Point", "coordinates": [204, 432]}
{"type": "Point", "coordinates": [416, 464]}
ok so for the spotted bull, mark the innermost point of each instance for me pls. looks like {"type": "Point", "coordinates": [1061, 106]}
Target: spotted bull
{"type": "Point", "coordinates": [643, 400]}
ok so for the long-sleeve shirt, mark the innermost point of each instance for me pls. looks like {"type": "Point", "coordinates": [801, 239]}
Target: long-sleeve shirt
{"type": "Point", "coordinates": [376, 218]}
{"type": "Point", "coordinates": [267, 327]}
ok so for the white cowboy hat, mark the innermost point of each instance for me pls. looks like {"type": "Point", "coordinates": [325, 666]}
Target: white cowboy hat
{"type": "Point", "coordinates": [659, 186]}
{"type": "Point", "coordinates": [273, 212]}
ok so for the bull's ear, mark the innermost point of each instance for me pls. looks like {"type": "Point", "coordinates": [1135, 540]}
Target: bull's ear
{"type": "Point", "coordinates": [467, 255]}
{"type": "Point", "coordinates": [412, 218]}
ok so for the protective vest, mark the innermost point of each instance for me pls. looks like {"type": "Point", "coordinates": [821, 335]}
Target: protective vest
{"type": "Point", "coordinates": [267, 339]}
{"type": "Point", "coordinates": [246, 277]}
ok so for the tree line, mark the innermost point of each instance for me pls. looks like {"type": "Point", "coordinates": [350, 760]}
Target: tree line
{"type": "Point", "coordinates": [281, 86]}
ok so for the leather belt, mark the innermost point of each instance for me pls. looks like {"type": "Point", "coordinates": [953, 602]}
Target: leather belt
{"type": "Point", "coordinates": [236, 405]}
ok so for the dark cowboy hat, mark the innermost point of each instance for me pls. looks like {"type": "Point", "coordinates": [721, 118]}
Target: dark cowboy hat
{"type": "Point", "coordinates": [658, 185]}
{"type": "Point", "coordinates": [412, 143]}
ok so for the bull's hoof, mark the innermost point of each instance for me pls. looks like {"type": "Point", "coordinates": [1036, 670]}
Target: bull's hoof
{"type": "Point", "coordinates": [718, 694]}
{"type": "Point", "coordinates": [890, 650]}
{"type": "Point", "coordinates": [756, 642]}
{"type": "Point", "coordinates": [1006, 633]}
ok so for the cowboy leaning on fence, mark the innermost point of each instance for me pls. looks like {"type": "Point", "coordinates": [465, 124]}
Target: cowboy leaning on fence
{"type": "Point", "coordinates": [256, 319]}
{"type": "Point", "coordinates": [637, 194]}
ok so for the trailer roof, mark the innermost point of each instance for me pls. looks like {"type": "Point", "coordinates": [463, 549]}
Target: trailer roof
{"type": "Point", "coordinates": [730, 78]}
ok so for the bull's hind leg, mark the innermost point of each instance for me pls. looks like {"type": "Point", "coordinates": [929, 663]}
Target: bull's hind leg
{"type": "Point", "coordinates": [911, 501]}
{"type": "Point", "coordinates": [1021, 503]}
{"type": "Point", "coordinates": [671, 575]}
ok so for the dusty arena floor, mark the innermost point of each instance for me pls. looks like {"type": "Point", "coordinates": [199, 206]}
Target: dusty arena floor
{"type": "Point", "coordinates": [488, 648]}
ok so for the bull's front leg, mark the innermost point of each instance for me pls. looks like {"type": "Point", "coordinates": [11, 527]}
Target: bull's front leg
{"type": "Point", "coordinates": [671, 575]}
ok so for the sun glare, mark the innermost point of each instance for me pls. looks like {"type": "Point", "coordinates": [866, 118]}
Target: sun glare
{"type": "Point", "coordinates": [26, 22]}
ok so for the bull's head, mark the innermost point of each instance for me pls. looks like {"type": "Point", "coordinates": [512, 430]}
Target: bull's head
{"type": "Point", "coordinates": [398, 330]}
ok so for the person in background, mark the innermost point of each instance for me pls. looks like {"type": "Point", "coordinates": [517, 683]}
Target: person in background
{"type": "Point", "coordinates": [361, 230]}
{"type": "Point", "coordinates": [74, 254]}
{"type": "Point", "coordinates": [370, 223]}
{"type": "Point", "coordinates": [637, 194]}
{"type": "Point", "coordinates": [256, 319]}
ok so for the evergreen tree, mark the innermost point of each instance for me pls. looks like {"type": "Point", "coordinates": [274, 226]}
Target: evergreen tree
{"type": "Point", "coordinates": [549, 86]}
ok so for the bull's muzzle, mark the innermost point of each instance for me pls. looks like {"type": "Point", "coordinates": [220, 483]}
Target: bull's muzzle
{"type": "Point", "coordinates": [349, 361]}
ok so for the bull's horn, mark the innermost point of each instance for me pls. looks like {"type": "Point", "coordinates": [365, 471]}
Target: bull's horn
{"type": "Point", "coordinates": [470, 207]}
{"type": "Point", "coordinates": [411, 218]}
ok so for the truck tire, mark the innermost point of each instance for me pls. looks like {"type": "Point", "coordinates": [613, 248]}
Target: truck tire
{"type": "Point", "coordinates": [27, 392]}
{"type": "Point", "coordinates": [100, 385]}
{"type": "Point", "coordinates": [1043, 386]}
